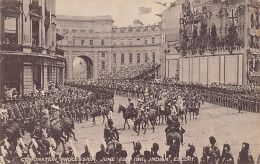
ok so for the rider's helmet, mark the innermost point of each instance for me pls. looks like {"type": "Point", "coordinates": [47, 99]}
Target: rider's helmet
{"type": "Point", "coordinates": [245, 146]}
{"type": "Point", "coordinates": [155, 147]}
{"type": "Point", "coordinates": [138, 146]}
{"type": "Point", "coordinates": [212, 140]}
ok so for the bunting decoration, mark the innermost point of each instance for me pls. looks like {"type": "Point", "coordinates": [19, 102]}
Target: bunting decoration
{"type": "Point", "coordinates": [144, 10]}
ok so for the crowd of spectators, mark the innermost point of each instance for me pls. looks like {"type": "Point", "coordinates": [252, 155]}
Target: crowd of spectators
{"type": "Point", "coordinates": [132, 71]}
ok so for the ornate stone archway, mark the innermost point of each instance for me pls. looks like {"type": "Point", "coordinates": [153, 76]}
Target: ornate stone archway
{"type": "Point", "coordinates": [87, 56]}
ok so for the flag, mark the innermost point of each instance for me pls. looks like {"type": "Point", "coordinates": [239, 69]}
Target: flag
{"type": "Point", "coordinates": [144, 10]}
{"type": "Point", "coordinates": [159, 15]}
{"type": "Point", "coordinates": [164, 4]}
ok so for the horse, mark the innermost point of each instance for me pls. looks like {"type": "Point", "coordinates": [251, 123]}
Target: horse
{"type": "Point", "coordinates": [193, 108]}
{"type": "Point", "coordinates": [111, 142]}
{"type": "Point", "coordinates": [98, 112]}
{"type": "Point", "coordinates": [182, 110]}
{"type": "Point", "coordinates": [68, 125]}
{"type": "Point", "coordinates": [173, 140]}
{"type": "Point", "coordinates": [129, 113]}
{"type": "Point", "coordinates": [164, 111]}
{"type": "Point", "coordinates": [144, 118]}
{"type": "Point", "coordinates": [11, 131]}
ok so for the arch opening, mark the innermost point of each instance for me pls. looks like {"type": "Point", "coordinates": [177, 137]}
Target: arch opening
{"type": "Point", "coordinates": [82, 68]}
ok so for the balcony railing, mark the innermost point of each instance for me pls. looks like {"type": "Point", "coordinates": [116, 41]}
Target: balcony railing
{"type": "Point", "coordinates": [11, 47]}
{"type": "Point", "coordinates": [37, 49]}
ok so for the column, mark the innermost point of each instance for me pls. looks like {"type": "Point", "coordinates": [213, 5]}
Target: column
{"type": "Point", "coordinates": [95, 65]}
{"type": "Point", "coordinates": [45, 75]}
{"type": "Point", "coordinates": [54, 70]}
{"type": "Point", "coordinates": [43, 28]}
{"type": "Point", "coordinates": [27, 37]}
{"type": "Point", "coordinates": [69, 65]}
{"type": "Point", "coordinates": [27, 78]}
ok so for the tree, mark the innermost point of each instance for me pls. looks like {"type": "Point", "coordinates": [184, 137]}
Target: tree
{"type": "Point", "coordinates": [213, 39]}
{"type": "Point", "coordinates": [231, 38]}
{"type": "Point", "coordinates": [203, 38]}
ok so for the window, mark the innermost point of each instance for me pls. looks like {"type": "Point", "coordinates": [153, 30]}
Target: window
{"type": "Point", "coordinates": [153, 40]}
{"type": "Point", "coordinates": [138, 57]}
{"type": "Point", "coordinates": [122, 42]}
{"type": "Point", "coordinates": [122, 58]}
{"type": "Point", "coordinates": [130, 58]}
{"type": "Point", "coordinates": [102, 42]}
{"type": "Point", "coordinates": [130, 41]}
{"type": "Point", "coordinates": [163, 37]}
{"type": "Point", "coordinates": [103, 54]}
{"type": "Point", "coordinates": [103, 64]}
{"type": "Point", "coordinates": [114, 58]}
{"type": "Point", "coordinates": [35, 32]}
{"type": "Point", "coordinates": [83, 31]}
{"type": "Point", "coordinates": [91, 42]}
{"type": "Point", "coordinates": [74, 31]}
{"type": "Point", "coordinates": [113, 42]}
{"type": "Point", "coordinates": [10, 30]}
{"type": "Point", "coordinates": [145, 41]}
{"type": "Point", "coordinates": [138, 41]}
{"type": "Point", "coordinates": [82, 42]}
{"type": "Point", "coordinates": [153, 54]}
{"type": "Point", "coordinates": [146, 57]}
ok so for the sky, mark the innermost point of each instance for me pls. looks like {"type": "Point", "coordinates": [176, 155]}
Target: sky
{"type": "Point", "coordinates": [124, 12]}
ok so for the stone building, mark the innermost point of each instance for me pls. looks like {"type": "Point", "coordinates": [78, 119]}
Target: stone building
{"type": "Point", "coordinates": [28, 56]}
{"type": "Point", "coordinates": [104, 47]}
{"type": "Point", "coordinates": [170, 37]}
{"type": "Point", "coordinates": [219, 41]}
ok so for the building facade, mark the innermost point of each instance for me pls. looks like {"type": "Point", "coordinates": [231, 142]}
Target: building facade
{"type": "Point", "coordinates": [170, 36]}
{"type": "Point", "coordinates": [219, 42]}
{"type": "Point", "coordinates": [28, 56]}
{"type": "Point", "coordinates": [105, 47]}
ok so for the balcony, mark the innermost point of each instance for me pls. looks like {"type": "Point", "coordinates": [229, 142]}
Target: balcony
{"type": "Point", "coordinates": [11, 47]}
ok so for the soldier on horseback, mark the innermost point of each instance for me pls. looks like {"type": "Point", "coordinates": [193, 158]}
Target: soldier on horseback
{"type": "Point", "coordinates": [110, 132]}
{"type": "Point", "coordinates": [174, 126]}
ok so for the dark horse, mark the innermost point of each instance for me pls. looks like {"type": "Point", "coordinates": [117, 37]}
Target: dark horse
{"type": "Point", "coordinates": [11, 131]}
{"type": "Point", "coordinates": [173, 140]}
{"type": "Point", "coordinates": [98, 111]}
{"type": "Point", "coordinates": [129, 113]}
{"type": "Point", "coordinates": [55, 131]}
